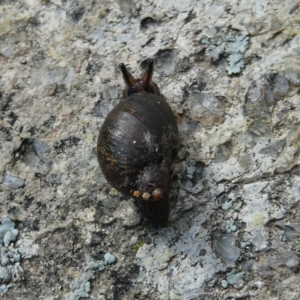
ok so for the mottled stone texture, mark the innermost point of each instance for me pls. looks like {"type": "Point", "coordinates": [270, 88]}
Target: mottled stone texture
{"type": "Point", "coordinates": [231, 70]}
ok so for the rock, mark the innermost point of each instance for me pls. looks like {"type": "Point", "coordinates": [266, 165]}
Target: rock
{"type": "Point", "coordinates": [281, 87]}
{"type": "Point", "coordinates": [230, 70]}
{"type": "Point", "coordinates": [5, 276]}
{"type": "Point", "coordinates": [293, 76]}
{"type": "Point", "coordinates": [13, 182]}
{"type": "Point", "coordinates": [227, 250]}
{"type": "Point", "coordinates": [206, 108]}
{"type": "Point", "coordinates": [235, 279]}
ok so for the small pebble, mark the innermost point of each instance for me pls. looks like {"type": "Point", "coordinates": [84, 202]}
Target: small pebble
{"type": "Point", "coordinates": [133, 240]}
{"type": "Point", "coordinates": [81, 192]}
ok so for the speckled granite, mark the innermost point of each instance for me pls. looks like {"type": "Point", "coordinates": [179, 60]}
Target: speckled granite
{"type": "Point", "coordinates": [230, 69]}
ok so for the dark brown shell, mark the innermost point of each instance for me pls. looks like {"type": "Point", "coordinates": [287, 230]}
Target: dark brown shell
{"type": "Point", "coordinates": [139, 134]}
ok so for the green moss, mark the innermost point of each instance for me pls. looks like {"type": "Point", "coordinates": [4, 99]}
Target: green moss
{"type": "Point", "coordinates": [297, 247]}
{"type": "Point", "coordinates": [137, 246]}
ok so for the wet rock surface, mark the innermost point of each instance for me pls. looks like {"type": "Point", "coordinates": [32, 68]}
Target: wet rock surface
{"type": "Point", "coordinates": [230, 70]}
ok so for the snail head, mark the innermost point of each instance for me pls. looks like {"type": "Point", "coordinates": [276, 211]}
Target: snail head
{"type": "Point", "coordinates": [152, 194]}
{"type": "Point", "coordinates": [139, 85]}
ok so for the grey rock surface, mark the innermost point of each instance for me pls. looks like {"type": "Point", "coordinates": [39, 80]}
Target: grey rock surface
{"type": "Point", "coordinates": [231, 70]}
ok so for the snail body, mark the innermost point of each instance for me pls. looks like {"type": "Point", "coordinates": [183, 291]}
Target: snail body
{"type": "Point", "coordinates": [137, 143]}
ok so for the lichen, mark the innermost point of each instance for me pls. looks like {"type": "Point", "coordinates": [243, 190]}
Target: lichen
{"type": "Point", "coordinates": [10, 269]}
{"type": "Point", "coordinates": [231, 45]}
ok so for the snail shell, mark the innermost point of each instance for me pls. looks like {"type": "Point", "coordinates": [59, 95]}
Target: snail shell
{"type": "Point", "coordinates": [137, 143]}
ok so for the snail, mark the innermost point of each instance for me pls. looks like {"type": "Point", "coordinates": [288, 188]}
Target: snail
{"type": "Point", "coordinates": [137, 143]}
